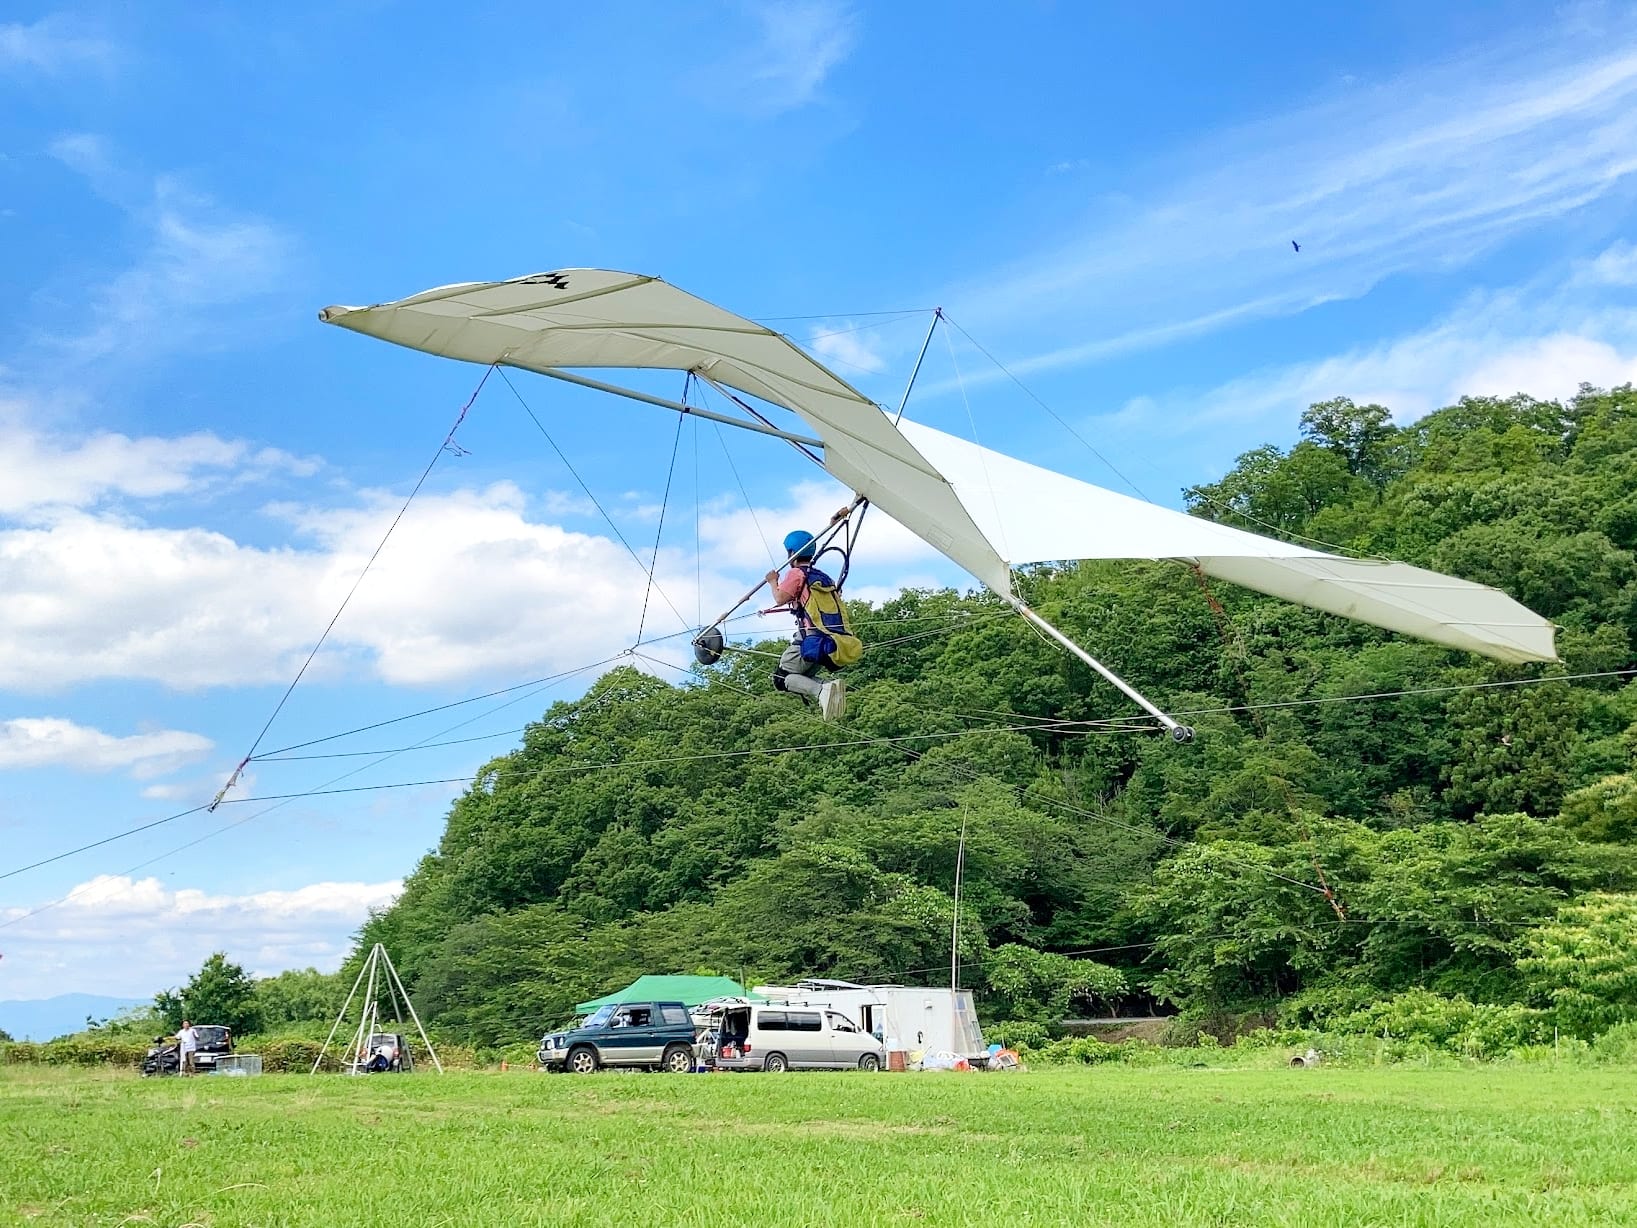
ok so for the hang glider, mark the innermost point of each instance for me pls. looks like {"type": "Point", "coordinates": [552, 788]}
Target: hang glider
{"type": "Point", "coordinates": [986, 511]}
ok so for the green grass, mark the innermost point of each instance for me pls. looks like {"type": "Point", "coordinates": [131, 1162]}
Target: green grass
{"type": "Point", "coordinates": [1106, 1145]}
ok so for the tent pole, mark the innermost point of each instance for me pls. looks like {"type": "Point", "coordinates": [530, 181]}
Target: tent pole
{"type": "Point", "coordinates": [1179, 733]}
{"type": "Point", "coordinates": [392, 972]}
{"type": "Point", "coordinates": [345, 1006]}
{"type": "Point", "coordinates": [631, 394]}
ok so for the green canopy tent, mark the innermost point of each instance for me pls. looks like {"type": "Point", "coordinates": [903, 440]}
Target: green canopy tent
{"type": "Point", "coordinates": [688, 990]}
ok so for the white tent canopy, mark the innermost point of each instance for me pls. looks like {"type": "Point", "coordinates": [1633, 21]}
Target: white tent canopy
{"type": "Point", "coordinates": [984, 510]}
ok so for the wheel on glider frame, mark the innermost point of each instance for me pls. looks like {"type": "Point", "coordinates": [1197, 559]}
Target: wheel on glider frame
{"type": "Point", "coordinates": [707, 646]}
{"type": "Point", "coordinates": [1182, 733]}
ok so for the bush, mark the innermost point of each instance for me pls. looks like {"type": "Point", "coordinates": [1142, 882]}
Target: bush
{"type": "Point", "coordinates": [1018, 1034]}
{"type": "Point", "coordinates": [1618, 1044]}
{"type": "Point", "coordinates": [1449, 1024]}
{"type": "Point", "coordinates": [84, 1050]}
{"type": "Point", "coordinates": [290, 1054]}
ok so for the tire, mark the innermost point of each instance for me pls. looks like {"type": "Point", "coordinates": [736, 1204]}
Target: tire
{"type": "Point", "coordinates": [775, 1063]}
{"type": "Point", "coordinates": [582, 1060]}
{"type": "Point", "coordinates": [678, 1059]}
{"type": "Point", "coordinates": [869, 1062]}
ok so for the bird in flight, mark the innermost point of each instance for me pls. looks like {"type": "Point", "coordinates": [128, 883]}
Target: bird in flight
{"type": "Point", "coordinates": [1296, 245]}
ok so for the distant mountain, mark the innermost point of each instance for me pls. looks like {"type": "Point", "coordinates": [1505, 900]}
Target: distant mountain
{"type": "Point", "coordinates": [45, 1018]}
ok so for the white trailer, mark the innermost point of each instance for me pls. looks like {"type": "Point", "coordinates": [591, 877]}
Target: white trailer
{"type": "Point", "coordinates": [908, 1019]}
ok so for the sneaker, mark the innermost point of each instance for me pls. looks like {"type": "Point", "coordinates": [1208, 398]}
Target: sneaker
{"type": "Point", "coordinates": [833, 699]}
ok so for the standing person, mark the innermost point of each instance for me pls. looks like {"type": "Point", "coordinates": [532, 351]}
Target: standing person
{"type": "Point", "coordinates": [822, 636]}
{"type": "Point", "coordinates": [187, 1044]}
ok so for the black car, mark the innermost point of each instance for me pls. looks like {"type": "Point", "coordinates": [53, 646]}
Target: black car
{"type": "Point", "coordinates": [165, 1058]}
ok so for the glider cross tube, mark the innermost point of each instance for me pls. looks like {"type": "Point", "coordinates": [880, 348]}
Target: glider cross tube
{"type": "Point", "coordinates": [631, 394]}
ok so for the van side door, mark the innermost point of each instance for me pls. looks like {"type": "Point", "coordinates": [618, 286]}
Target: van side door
{"type": "Point", "coordinates": [848, 1041]}
{"type": "Point", "coordinates": [808, 1044]}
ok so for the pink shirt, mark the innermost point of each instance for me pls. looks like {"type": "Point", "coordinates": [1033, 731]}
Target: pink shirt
{"type": "Point", "coordinates": [788, 590]}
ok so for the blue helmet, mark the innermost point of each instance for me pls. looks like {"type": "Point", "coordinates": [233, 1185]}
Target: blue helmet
{"type": "Point", "coordinates": [799, 545]}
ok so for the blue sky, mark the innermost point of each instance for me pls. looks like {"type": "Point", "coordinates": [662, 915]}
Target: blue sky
{"type": "Point", "coordinates": [1103, 196]}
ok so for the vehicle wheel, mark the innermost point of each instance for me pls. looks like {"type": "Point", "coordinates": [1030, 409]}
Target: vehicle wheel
{"type": "Point", "coordinates": [869, 1062]}
{"type": "Point", "coordinates": [775, 1063]}
{"type": "Point", "coordinates": [582, 1060]}
{"type": "Point", "coordinates": [678, 1060]}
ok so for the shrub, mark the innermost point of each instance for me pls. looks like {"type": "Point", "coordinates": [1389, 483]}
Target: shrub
{"type": "Point", "coordinates": [1018, 1033]}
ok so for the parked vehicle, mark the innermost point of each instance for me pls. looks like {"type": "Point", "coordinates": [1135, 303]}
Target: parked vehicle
{"type": "Point", "coordinates": [164, 1056]}
{"type": "Point", "coordinates": [904, 1018]}
{"type": "Point", "coordinates": [651, 1035]}
{"type": "Point", "coordinates": [385, 1052]}
{"type": "Point", "coordinates": [777, 1037]}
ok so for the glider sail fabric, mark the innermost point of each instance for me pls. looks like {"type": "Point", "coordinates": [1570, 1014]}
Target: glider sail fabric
{"type": "Point", "coordinates": [982, 509]}
{"type": "Point", "coordinates": [1034, 515]}
{"type": "Point", "coordinates": [597, 318]}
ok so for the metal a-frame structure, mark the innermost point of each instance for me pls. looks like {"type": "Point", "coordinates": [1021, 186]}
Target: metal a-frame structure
{"type": "Point", "coordinates": [377, 976]}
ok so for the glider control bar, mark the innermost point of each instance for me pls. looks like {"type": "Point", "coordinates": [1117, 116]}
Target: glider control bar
{"type": "Point", "coordinates": [631, 394]}
{"type": "Point", "coordinates": [1179, 733]}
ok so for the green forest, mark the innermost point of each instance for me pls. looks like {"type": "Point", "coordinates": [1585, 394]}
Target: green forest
{"type": "Point", "coordinates": [1366, 828]}
{"type": "Point", "coordinates": [1368, 835]}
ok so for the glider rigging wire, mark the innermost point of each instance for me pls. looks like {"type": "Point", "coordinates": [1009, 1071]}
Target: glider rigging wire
{"type": "Point", "coordinates": [380, 546]}
{"type": "Point", "coordinates": [569, 465]}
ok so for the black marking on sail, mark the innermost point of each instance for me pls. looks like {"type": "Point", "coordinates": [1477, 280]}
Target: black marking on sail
{"type": "Point", "coordinates": [557, 281]}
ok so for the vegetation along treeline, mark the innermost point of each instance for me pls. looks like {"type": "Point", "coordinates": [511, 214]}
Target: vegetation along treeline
{"type": "Point", "coordinates": [1451, 859]}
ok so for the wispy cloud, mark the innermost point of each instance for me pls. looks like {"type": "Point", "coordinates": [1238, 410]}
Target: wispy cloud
{"type": "Point", "coordinates": [193, 258]}
{"type": "Point", "coordinates": [1543, 338]}
{"type": "Point", "coordinates": [798, 44]}
{"type": "Point", "coordinates": [841, 342]}
{"type": "Point", "coordinates": [47, 741]}
{"type": "Point", "coordinates": [1420, 173]}
{"type": "Point", "coordinates": [52, 45]}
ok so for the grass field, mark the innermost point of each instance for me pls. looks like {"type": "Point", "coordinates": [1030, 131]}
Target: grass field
{"type": "Point", "coordinates": [1105, 1145]}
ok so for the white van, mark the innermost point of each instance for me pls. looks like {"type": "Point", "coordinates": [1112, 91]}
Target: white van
{"type": "Point", "coordinates": [777, 1037]}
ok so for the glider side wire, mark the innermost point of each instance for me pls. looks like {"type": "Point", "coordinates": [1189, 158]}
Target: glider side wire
{"type": "Point", "coordinates": [443, 447]}
{"type": "Point", "coordinates": [323, 790]}
{"type": "Point", "coordinates": [569, 465]}
{"type": "Point", "coordinates": [749, 505]}
{"type": "Point", "coordinates": [1025, 791]}
{"type": "Point", "coordinates": [983, 457]}
{"type": "Point", "coordinates": [278, 802]}
{"type": "Point", "coordinates": [1058, 418]}
{"type": "Point", "coordinates": [86, 848]}
{"type": "Point", "coordinates": [659, 532]}
{"type": "Point", "coordinates": [698, 555]}
{"type": "Point", "coordinates": [273, 756]}
{"type": "Point", "coordinates": [1276, 531]}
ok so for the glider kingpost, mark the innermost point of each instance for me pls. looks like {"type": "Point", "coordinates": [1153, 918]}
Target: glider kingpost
{"type": "Point", "coordinates": [985, 511]}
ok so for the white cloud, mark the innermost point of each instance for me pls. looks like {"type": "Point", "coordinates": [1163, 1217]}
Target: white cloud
{"type": "Point", "coordinates": [844, 345]}
{"type": "Point", "coordinates": [132, 937]}
{"type": "Point", "coordinates": [55, 472]}
{"type": "Point", "coordinates": [48, 741]}
{"type": "Point", "coordinates": [1420, 173]}
{"type": "Point", "coordinates": [51, 45]}
{"type": "Point", "coordinates": [470, 586]}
